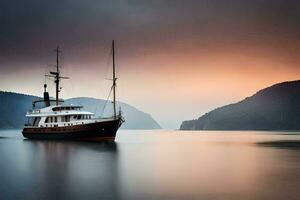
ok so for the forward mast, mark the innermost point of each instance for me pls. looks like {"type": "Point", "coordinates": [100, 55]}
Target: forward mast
{"type": "Point", "coordinates": [56, 76]}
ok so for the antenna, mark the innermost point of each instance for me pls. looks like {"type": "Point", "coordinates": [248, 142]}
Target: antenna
{"type": "Point", "coordinates": [56, 76]}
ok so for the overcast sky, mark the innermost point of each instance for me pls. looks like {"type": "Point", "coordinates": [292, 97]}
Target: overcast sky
{"type": "Point", "coordinates": [175, 59]}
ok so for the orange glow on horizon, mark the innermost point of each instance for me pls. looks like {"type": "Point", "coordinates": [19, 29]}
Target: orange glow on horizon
{"type": "Point", "coordinates": [187, 81]}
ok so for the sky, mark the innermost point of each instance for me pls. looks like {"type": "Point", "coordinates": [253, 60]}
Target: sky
{"type": "Point", "coordinates": [176, 59]}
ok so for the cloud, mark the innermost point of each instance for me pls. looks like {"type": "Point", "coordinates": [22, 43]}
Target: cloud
{"type": "Point", "coordinates": [163, 41]}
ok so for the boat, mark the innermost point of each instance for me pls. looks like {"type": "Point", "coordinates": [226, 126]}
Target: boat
{"type": "Point", "coordinates": [56, 121]}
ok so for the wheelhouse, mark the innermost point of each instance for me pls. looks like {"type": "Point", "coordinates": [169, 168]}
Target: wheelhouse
{"type": "Point", "coordinates": [57, 116]}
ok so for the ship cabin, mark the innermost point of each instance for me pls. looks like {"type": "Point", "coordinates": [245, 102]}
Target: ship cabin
{"type": "Point", "coordinates": [58, 116]}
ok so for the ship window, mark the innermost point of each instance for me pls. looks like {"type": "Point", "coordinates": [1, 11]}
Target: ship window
{"type": "Point", "coordinates": [55, 119]}
{"type": "Point", "coordinates": [47, 120]}
{"type": "Point", "coordinates": [56, 109]}
{"type": "Point", "coordinates": [67, 118]}
{"type": "Point", "coordinates": [33, 121]}
{"type": "Point", "coordinates": [36, 121]}
{"type": "Point", "coordinates": [79, 117]}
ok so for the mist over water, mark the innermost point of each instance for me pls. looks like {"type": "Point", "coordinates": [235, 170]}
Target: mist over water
{"type": "Point", "coordinates": [153, 165]}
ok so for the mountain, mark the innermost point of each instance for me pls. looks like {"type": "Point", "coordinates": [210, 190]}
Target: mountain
{"type": "Point", "coordinates": [273, 108]}
{"type": "Point", "coordinates": [14, 106]}
{"type": "Point", "coordinates": [134, 118]}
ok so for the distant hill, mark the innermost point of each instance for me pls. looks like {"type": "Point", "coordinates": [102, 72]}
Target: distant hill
{"type": "Point", "coordinates": [273, 108]}
{"type": "Point", "coordinates": [13, 107]}
{"type": "Point", "coordinates": [134, 118]}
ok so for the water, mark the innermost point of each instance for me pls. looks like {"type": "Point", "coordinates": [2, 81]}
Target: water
{"type": "Point", "coordinates": [153, 165]}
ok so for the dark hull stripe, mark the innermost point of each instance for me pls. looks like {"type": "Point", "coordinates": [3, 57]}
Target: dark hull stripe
{"type": "Point", "coordinates": [95, 131]}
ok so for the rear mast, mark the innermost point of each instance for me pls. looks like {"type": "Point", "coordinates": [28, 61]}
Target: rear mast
{"type": "Point", "coordinates": [114, 79]}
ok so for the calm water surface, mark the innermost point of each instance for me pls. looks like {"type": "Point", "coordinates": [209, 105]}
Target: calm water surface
{"type": "Point", "coordinates": [153, 165]}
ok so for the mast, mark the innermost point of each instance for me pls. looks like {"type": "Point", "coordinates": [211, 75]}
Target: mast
{"type": "Point", "coordinates": [56, 81]}
{"type": "Point", "coordinates": [56, 76]}
{"type": "Point", "coordinates": [114, 79]}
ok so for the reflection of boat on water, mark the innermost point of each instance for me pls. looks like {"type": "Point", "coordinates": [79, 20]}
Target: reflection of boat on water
{"type": "Point", "coordinates": [70, 121]}
{"type": "Point", "coordinates": [71, 169]}
{"type": "Point", "coordinates": [72, 146]}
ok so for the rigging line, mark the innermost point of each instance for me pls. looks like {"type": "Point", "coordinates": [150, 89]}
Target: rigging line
{"type": "Point", "coordinates": [118, 104]}
{"type": "Point", "coordinates": [104, 106]}
{"type": "Point", "coordinates": [108, 62]}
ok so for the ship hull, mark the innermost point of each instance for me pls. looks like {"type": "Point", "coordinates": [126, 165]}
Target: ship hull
{"type": "Point", "coordinates": [105, 130]}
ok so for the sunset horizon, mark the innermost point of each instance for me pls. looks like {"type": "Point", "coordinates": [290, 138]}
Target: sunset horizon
{"type": "Point", "coordinates": [193, 56]}
{"type": "Point", "coordinates": [150, 99]}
